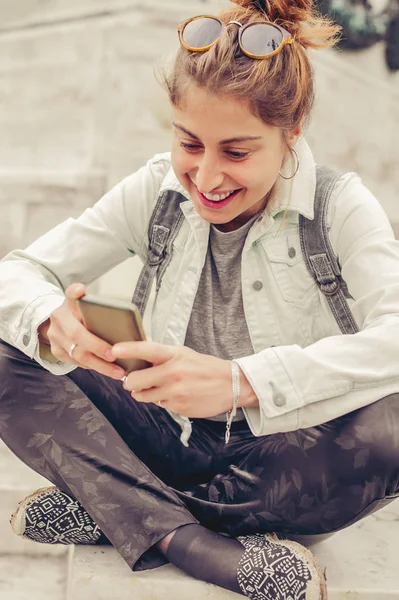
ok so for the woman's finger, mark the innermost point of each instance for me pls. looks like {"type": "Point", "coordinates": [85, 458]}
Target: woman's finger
{"type": "Point", "coordinates": [75, 291]}
{"type": "Point", "coordinates": [85, 359]}
{"type": "Point", "coordinates": [153, 395]}
{"type": "Point", "coordinates": [72, 293]}
{"type": "Point", "coordinates": [145, 379]}
{"type": "Point", "coordinates": [66, 330]}
{"type": "Point", "coordinates": [152, 352]}
{"type": "Point", "coordinates": [71, 342]}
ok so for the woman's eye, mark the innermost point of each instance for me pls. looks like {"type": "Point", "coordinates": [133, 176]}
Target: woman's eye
{"type": "Point", "coordinates": [237, 155]}
{"type": "Point", "coordinates": [189, 147]}
{"type": "Point", "coordinates": [230, 153]}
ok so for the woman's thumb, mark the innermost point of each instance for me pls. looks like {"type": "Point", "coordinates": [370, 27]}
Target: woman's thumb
{"type": "Point", "coordinates": [75, 291]}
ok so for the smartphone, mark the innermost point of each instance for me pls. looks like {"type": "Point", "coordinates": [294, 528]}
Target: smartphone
{"type": "Point", "coordinates": [114, 321]}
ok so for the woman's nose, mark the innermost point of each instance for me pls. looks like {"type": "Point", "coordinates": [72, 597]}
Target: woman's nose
{"type": "Point", "coordinates": [209, 175]}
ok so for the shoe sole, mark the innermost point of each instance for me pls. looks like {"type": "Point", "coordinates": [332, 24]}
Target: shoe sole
{"type": "Point", "coordinates": [303, 553]}
{"type": "Point", "coordinates": [17, 519]}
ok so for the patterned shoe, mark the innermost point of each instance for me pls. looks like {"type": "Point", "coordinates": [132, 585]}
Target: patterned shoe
{"type": "Point", "coordinates": [278, 569]}
{"type": "Point", "coordinates": [51, 516]}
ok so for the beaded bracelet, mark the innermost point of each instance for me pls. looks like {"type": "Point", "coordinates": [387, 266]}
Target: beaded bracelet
{"type": "Point", "coordinates": [235, 374]}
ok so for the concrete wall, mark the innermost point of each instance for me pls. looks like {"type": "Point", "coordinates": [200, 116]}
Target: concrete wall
{"type": "Point", "coordinates": [80, 109]}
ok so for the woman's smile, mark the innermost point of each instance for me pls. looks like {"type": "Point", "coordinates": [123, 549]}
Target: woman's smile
{"type": "Point", "coordinates": [218, 201]}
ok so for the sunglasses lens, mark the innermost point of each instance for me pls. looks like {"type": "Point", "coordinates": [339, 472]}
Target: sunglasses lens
{"type": "Point", "coordinates": [201, 33]}
{"type": "Point", "coordinates": [261, 39]}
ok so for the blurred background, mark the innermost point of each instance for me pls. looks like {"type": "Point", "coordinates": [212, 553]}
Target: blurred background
{"type": "Point", "coordinates": [80, 109]}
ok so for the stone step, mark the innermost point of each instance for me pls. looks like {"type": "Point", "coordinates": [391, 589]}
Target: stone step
{"type": "Point", "coordinates": [360, 564]}
{"type": "Point", "coordinates": [98, 571]}
{"type": "Point", "coordinates": [33, 578]}
{"type": "Point", "coordinates": [16, 482]}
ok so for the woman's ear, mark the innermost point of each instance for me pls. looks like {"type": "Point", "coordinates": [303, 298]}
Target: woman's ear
{"type": "Point", "coordinates": [294, 135]}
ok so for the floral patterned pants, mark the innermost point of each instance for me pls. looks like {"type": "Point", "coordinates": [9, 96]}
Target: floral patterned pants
{"type": "Point", "coordinates": [124, 462]}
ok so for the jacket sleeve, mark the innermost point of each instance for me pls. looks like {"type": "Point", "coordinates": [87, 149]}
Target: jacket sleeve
{"type": "Point", "coordinates": [32, 281]}
{"type": "Point", "coordinates": [302, 387]}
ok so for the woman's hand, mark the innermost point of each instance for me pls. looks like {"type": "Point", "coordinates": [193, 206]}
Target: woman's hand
{"type": "Point", "coordinates": [186, 382]}
{"type": "Point", "coordinates": [65, 327]}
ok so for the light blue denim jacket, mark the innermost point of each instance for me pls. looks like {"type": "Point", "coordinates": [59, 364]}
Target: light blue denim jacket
{"type": "Point", "coordinates": [304, 371]}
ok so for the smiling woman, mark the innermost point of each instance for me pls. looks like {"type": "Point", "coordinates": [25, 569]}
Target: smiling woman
{"type": "Point", "coordinates": [270, 407]}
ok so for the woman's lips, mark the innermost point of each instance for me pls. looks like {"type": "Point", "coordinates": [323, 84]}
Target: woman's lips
{"type": "Point", "coordinates": [216, 204]}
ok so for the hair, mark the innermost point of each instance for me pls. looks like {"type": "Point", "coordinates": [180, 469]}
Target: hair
{"type": "Point", "coordinates": [278, 90]}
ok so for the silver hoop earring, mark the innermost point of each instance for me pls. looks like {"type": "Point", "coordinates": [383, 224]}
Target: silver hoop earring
{"type": "Point", "coordinates": [297, 165]}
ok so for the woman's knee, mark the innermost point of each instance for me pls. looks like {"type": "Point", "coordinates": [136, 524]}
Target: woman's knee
{"type": "Point", "coordinates": [26, 390]}
{"type": "Point", "coordinates": [375, 431]}
{"type": "Point", "coordinates": [367, 446]}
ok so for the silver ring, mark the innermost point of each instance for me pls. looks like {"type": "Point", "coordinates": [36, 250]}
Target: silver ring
{"type": "Point", "coordinates": [71, 349]}
{"type": "Point", "coordinates": [160, 403]}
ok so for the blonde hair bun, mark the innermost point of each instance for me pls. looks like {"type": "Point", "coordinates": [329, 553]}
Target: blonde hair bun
{"type": "Point", "coordinates": [259, 5]}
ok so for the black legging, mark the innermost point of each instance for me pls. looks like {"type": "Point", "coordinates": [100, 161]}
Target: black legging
{"type": "Point", "coordinates": [124, 462]}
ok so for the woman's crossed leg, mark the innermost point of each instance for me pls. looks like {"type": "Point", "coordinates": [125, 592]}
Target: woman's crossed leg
{"type": "Point", "coordinates": [124, 462]}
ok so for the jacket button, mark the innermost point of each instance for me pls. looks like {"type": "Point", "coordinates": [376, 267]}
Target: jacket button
{"type": "Point", "coordinates": [279, 400]}
{"type": "Point", "coordinates": [26, 339]}
{"type": "Point", "coordinates": [292, 252]}
{"type": "Point", "coordinates": [257, 285]}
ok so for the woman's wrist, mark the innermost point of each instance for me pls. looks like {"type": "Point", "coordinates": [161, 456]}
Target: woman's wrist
{"type": "Point", "coordinates": [42, 332]}
{"type": "Point", "coordinates": [230, 415]}
{"type": "Point", "coordinates": [248, 398]}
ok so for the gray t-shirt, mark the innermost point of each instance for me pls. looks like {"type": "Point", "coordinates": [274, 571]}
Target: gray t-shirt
{"type": "Point", "coordinates": [217, 324]}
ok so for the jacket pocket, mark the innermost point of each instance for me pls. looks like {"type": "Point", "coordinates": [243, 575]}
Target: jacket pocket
{"type": "Point", "coordinates": [288, 267]}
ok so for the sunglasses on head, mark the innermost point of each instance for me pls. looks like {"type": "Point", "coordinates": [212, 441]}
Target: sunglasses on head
{"type": "Point", "coordinates": [258, 39]}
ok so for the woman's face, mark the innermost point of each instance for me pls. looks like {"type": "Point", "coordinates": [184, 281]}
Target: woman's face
{"type": "Point", "coordinates": [225, 157]}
